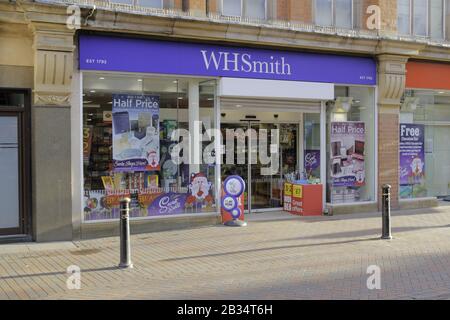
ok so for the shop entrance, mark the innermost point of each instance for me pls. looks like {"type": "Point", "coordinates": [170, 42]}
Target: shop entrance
{"type": "Point", "coordinates": [14, 160]}
{"type": "Point", "coordinates": [293, 134]}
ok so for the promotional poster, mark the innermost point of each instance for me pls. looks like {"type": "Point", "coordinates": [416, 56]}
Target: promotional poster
{"type": "Point", "coordinates": [87, 143]}
{"type": "Point", "coordinates": [135, 133]}
{"type": "Point", "coordinates": [312, 162]}
{"type": "Point", "coordinates": [412, 160]}
{"type": "Point", "coordinates": [347, 154]}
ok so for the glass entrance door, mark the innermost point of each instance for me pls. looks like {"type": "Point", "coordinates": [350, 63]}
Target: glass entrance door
{"type": "Point", "coordinates": [264, 189]}
{"type": "Point", "coordinates": [10, 175]}
{"type": "Point", "coordinates": [265, 186]}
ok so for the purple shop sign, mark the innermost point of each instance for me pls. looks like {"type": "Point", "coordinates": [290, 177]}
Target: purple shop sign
{"type": "Point", "coordinates": [168, 204]}
{"type": "Point", "coordinates": [412, 154]}
{"type": "Point", "coordinates": [106, 53]}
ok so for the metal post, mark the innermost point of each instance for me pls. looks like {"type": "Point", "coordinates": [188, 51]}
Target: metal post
{"type": "Point", "coordinates": [125, 253]}
{"type": "Point", "coordinates": [386, 212]}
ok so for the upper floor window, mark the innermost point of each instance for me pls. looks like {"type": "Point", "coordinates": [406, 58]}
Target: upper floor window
{"type": "Point", "coordinates": [422, 17]}
{"type": "Point", "coordinates": [337, 13]}
{"type": "Point", "coordinates": [245, 8]}
{"type": "Point", "coordinates": [144, 3]}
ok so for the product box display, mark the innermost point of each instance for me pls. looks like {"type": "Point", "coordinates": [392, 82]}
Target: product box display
{"type": "Point", "coordinates": [305, 199]}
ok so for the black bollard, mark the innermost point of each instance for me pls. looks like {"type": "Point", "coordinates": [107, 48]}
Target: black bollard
{"type": "Point", "coordinates": [125, 254]}
{"type": "Point", "coordinates": [386, 212]}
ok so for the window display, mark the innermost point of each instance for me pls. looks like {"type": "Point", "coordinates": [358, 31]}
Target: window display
{"type": "Point", "coordinates": [424, 149]}
{"type": "Point", "coordinates": [128, 126]}
{"type": "Point", "coordinates": [351, 141]}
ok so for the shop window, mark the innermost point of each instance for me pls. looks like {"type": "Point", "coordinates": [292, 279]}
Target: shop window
{"type": "Point", "coordinates": [128, 125]}
{"type": "Point", "coordinates": [337, 13]}
{"type": "Point", "coordinates": [351, 146]}
{"type": "Point", "coordinates": [255, 9]}
{"type": "Point", "coordinates": [424, 149]}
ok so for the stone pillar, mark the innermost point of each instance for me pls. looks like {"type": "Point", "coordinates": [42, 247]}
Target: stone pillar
{"type": "Point", "coordinates": [51, 132]}
{"type": "Point", "coordinates": [391, 86]}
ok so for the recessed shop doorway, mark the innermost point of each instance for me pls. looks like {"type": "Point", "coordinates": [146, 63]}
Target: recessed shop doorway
{"type": "Point", "coordinates": [14, 160]}
{"type": "Point", "coordinates": [268, 145]}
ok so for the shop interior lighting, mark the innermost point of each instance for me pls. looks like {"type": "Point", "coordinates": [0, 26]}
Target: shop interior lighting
{"type": "Point", "coordinates": [343, 104]}
{"type": "Point", "coordinates": [410, 104]}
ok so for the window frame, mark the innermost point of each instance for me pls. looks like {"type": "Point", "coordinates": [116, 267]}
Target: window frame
{"type": "Point", "coordinates": [137, 3]}
{"type": "Point", "coordinates": [333, 14]}
{"type": "Point", "coordinates": [412, 31]}
{"type": "Point", "coordinates": [243, 13]}
{"type": "Point", "coordinates": [444, 22]}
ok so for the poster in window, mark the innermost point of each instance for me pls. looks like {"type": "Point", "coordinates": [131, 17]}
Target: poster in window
{"type": "Point", "coordinates": [135, 133]}
{"type": "Point", "coordinates": [87, 143]}
{"type": "Point", "coordinates": [412, 160]}
{"type": "Point", "coordinates": [347, 154]}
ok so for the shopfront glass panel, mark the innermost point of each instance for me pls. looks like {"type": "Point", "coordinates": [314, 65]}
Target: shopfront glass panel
{"type": "Point", "coordinates": [9, 172]}
{"type": "Point", "coordinates": [311, 146]}
{"type": "Point", "coordinates": [266, 187]}
{"type": "Point", "coordinates": [351, 146]}
{"type": "Point", "coordinates": [129, 118]}
{"type": "Point", "coordinates": [425, 170]}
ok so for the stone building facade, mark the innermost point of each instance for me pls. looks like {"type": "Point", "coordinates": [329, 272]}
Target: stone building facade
{"type": "Point", "coordinates": [39, 52]}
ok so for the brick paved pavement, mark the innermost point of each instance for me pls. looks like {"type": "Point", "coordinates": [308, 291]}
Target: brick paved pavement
{"type": "Point", "coordinates": [276, 257]}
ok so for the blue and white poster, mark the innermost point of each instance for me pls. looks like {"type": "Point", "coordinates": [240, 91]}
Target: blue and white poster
{"type": "Point", "coordinates": [135, 133]}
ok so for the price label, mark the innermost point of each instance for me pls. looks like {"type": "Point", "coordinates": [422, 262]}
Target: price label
{"type": "Point", "coordinates": [288, 189]}
{"type": "Point", "coordinates": [297, 191]}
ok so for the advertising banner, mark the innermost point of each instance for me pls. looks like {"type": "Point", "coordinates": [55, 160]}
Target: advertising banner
{"type": "Point", "coordinates": [347, 154]}
{"type": "Point", "coordinates": [87, 143]}
{"type": "Point", "coordinates": [412, 154]}
{"type": "Point", "coordinates": [312, 161]}
{"type": "Point", "coordinates": [135, 133]}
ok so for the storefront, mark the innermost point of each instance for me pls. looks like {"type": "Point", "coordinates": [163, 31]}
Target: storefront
{"type": "Point", "coordinates": [424, 132]}
{"type": "Point", "coordinates": [307, 115]}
